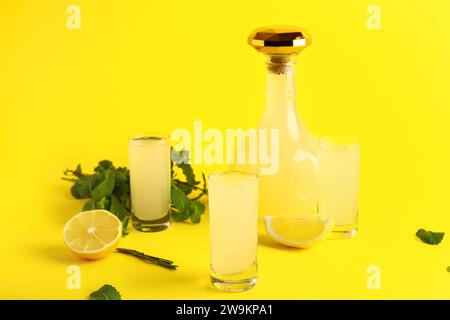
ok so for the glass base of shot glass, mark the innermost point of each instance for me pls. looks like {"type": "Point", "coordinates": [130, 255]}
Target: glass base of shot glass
{"type": "Point", "coordinates": [343, 232]}
{"type": "Point", "coordinates": [236, 282]}
{"type": "Point", "coordinates": [151, 226]}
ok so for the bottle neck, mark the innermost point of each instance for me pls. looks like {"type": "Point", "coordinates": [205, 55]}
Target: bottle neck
{"type": "Point", "coordinates": [280, 94]}
{"type": "Point", "coordinates": [280, 85]}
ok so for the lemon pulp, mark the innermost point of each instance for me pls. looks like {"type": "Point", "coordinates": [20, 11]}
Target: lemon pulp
{"type": "Point", "coordinates": [92, 234]}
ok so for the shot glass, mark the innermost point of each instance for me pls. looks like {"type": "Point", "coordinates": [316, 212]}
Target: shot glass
{"type": "Point", "coordinates": [338, 183]}
{"type": "Point", "coordinates": [150, 181]}
{"type": "Point", "coordinates": [233, 221]}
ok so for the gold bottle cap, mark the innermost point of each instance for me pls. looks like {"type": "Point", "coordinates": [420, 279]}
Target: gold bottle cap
{"type": "Point", "coordinates": [279, 39]}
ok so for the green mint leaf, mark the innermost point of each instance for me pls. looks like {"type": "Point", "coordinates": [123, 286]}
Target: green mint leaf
{"type": "Point", "coordinates": [195, 218]}
{"type": "Point", "coordinates": [80, 189]}
{"type": "Point", "coordinates": [106, 292]}
{"type": "Point", "coordinates": [179, 216]}
{"type": "Point", "coordinates": [78, 171]}
{"type": "Point", "coordinates": [122, 175]}
{"type": "Point", "coordinates": [122, 184]}
{"type": "Point", "coordinates": [95, 180]}
{"type": "Point", "coordinates": [179, 199]}
{"type": "Point", "coordinates": [104, 188]}
{"type": "Point", "coordinates": [181, 160]}
{"type": "Point", "coordinates": [196, 210]}
{"type": "Point", "coordinates": [188, 173]}
{"type": "Point", "coordinates": [117, 208]}
{"type": "Point", "coordinates": [430, 237]}
{"type": "Point", "coordinates": [103, 166]}
{"type": "Point", "coordinates": [125, 226]}
{"type": "Point", "coordinates": [103, 203]}
{"type": "Point", "coordinates": [89, 205]}
{"type": "Point", "coordinates": [186, 188]}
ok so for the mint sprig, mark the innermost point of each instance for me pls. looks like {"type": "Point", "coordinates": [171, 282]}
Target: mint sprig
{"type": "Point", "coordinates": [106, 292]}
{"type": "Point", "coordinates": [430, 237]}
{"type": "Point", "coordinates": [107, 188]}
{"type": "Point", "coordinates": [186, 189]}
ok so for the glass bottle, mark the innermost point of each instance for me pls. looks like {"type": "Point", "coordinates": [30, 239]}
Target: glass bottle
{"type": "Point", "coordinates": [293, 190]}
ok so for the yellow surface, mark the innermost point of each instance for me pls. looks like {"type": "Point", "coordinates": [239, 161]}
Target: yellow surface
{"type": "Point", "coordinates": [69, 96]}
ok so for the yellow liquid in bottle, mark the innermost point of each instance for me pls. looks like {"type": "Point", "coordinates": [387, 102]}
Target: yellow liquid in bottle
{"type": "Point", "coordinates": [293, 190]}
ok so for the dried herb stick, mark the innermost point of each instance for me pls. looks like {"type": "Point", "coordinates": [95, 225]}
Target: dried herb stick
{"type": "Point", "coordinates": [155, 260]}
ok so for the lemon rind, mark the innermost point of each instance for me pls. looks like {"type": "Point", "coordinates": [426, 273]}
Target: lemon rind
{"type": "Point", "coordinates": [328, 224]}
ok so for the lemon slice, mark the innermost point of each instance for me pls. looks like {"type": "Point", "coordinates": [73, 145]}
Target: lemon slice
{"type": "Point", "coordinates": [93, 234]}
{"type": "Point", "coordinates": [300, 232]}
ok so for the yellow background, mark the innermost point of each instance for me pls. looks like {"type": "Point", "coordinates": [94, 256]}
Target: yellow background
{"type": "Point", "coordinates": [70, 96]}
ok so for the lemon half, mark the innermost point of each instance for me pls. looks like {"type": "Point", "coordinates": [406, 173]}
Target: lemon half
{"type": "Point", "coordinates": [299, 232]}
{"type": "Point", "coordinates": [93, 234]}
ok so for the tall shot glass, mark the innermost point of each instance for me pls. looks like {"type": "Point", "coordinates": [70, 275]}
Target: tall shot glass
{"type": "Point", "coordinates": [233, 220]}
{"type": "Point", "coordinates": [338, 182]}
{"type": "Point", "coordinates": [150, 181]}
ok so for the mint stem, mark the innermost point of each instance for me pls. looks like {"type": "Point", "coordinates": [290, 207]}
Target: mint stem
{"type": "Point", "coordinates": [75, 173]}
